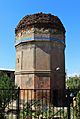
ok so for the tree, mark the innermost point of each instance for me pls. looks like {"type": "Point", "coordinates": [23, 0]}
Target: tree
{"type": "Point", "coordinates": [74, 83]}
{"type": "Point", "coordinates": [7, 92]}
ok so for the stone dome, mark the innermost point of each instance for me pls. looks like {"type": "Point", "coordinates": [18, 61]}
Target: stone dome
{"type": "Point", "coordinates": [40, 20]}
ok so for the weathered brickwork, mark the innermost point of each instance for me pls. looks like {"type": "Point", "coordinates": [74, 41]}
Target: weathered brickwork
{"type": "Point", "coordinates": [40, 57]}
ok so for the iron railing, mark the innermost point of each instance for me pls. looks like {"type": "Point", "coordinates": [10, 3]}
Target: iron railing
{"type": "Point", "coordinates": [39, 104]}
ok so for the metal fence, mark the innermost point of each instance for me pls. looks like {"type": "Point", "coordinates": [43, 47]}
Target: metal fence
{"type": "Point", "coordinates": [39, 104]}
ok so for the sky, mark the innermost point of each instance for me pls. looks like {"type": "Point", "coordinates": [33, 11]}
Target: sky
{"type": "Point", "coordinates": [12, 11]}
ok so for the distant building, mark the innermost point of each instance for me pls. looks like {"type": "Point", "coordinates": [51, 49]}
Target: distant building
{"type": "Point", "coordinates": [9, 72]}
{"type": "Point", "coordinates": [40, 52]}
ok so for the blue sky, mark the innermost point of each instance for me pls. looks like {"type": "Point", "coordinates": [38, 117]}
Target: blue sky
{"type": "Point", "coordinates": [11, 11]}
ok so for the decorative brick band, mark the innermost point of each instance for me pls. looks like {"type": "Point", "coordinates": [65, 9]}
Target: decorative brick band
{"type": "Point", "coordinates": [39, 39]}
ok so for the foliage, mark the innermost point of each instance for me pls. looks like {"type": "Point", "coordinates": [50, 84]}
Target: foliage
{"type": "Point", "coordinates": [5, 81]}
{"type": "Point", "coordinates": [40, 108]}
{"type": "Point", "coordinates": [78, 107]}
{"type": "Point", "coordinates": [73, 82]}
{"type": "Point", "coordinates": [7, 92]}
{"type": "Point", "coordinates": [34, 108]}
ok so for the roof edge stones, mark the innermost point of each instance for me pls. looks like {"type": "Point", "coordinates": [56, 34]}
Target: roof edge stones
{"type": "Point", "coordinates": [40, 20]}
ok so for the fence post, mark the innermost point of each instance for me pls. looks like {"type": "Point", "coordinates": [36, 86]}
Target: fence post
{"type": "Point", "coordinates": [18, 108]}
{"type": "Point", "coordinates": [68, 109]}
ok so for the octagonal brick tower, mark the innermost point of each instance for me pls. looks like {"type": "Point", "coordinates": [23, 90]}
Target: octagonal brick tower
{"type": "Point", "coordinates": [40, 52]}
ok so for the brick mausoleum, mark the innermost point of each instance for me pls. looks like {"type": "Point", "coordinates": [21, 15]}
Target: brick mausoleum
{"type": "Point", "coordinates": [40, 52]}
